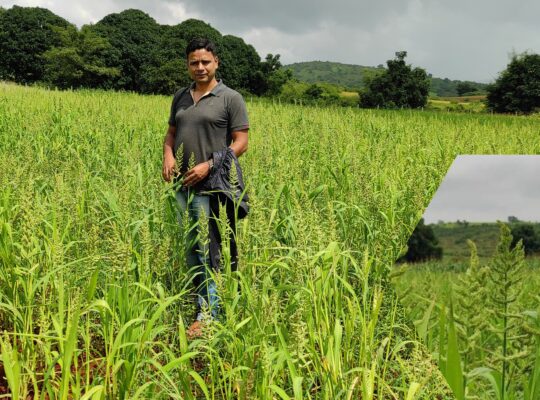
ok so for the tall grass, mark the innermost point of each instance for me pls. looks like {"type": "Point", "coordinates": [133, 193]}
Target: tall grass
{"type": "Point", "coordinates": [94, 294]}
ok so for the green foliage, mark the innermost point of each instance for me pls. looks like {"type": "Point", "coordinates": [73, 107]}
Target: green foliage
{"type": "Point", "coordinates": [240, 61]}
{"type": "Point", "coordinates": [528, 234]}
{"type": "Point", "coordinates": [127, 50]}
{"type": "Point", "coordinates": [80, 61]}
{"type": "Point", "coordinates": [317, 94]}
{"type": "Point", "coordinates": [134, 35]}
{"type": "Point", "coordinates": [517, 89]}
{"type": "Point", "coordinates": [25, 35]}
{"type": "Point", "coordinates": [293, 91]}
{"type": "Point", "coordinates": [464, 88]}
{"type": "Point", "coordinates": [400, 86]}
{"type": "Point", "coordinates": [422, 244]}
{"type": "Point", "coordinates": [271, 77]}
{"type": "Point", "coordinates": [314, 92]}
{"type": "Point", "coordinates": [165, 78]}
{"type": "Point", "coordinates": [345, 75]}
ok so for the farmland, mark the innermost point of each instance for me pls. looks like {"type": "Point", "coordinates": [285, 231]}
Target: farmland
{"type": "Point", "coordinates": [94, 298]}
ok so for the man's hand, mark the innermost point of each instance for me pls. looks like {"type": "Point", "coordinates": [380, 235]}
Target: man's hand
{"type": "Point", "coordinates": [168, 167]}
{"type": "Point", "coordinates": [169, 161]}
{"type": "Point", "coordinates": [196, 174]}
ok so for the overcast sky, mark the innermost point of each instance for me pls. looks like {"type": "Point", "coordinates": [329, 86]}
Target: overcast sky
{"type": "Point", "coordinates": [459, 39]}
{"type": "Point", "coordinates": [487, 189]}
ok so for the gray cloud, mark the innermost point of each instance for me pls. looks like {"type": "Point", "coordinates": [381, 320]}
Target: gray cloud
{"type": "Point", "coordinates": [300, 16]}
{"type": "Point", "coordinates": [487, 188]}
{"type": "Point", "coordinates": [469, 40]}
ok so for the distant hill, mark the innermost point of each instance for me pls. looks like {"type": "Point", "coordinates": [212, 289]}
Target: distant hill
{"type": "Point", "coordinates": [453, 239]}
{"type": "Point", "coordinates": [351, 76]}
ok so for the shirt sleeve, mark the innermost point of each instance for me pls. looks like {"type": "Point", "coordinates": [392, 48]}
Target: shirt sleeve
{"type": "Point", "coordinates": [238, 117]}
{"type": "Point", "coordinates": [172, 114]}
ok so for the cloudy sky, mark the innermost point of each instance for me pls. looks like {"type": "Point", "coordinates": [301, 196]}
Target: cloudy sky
{"type": "Point", "coordinates": [488, 188]}
{"type": "Point", "coordinates": [459, 39]}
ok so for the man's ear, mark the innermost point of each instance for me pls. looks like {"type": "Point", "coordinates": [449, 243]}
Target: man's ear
{"type": "Point", "coordinates": [217, 61]}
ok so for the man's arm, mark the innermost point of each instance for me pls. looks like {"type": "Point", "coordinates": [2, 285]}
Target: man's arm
{"type": "Point", "coordinates": [168, 156]}
{"type": "Point", "coordinates": [240, 142]}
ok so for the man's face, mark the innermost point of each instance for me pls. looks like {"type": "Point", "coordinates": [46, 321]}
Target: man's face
{"type": "Point", "coordinates": [202, 65]}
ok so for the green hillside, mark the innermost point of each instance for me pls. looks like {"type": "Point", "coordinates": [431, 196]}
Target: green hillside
{"type": "Point", "coordinates": [351, 76]}
{"type": "Point", "coordinates": [347, 75]}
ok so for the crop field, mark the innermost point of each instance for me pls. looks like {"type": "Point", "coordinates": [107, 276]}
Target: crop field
{"type": "Point", "coordinates": [94, 295]}
{"type": "Point", "coordinates": [482, 314]}
{"type": "Point", "coordinates": [472, 104]}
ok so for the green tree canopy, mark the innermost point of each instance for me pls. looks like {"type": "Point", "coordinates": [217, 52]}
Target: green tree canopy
{"type": "Point", "coordinates": [399, 86]}
{"type": "Point", "coordinates": [422, 245]}
{"type": "Point", "coordinates": [464, 88]}
{"type": "Point", "coordinates": [134, 35]}
{"type": "Point", "coordinates": [528, 235]}
{"type": "Point", "coordinates": [271, 77]}
{"type": "Point", "coordinates": [240, 60]}
{"type": "Point", "coordinates": [517, 89]}
{"type": "Point", "coordinates": [237, 60]}
{"type": "Point", "coordinates": [26, 33]}
{"type": "Point", "coordinates": [81, 60]}
{"type": "Point", "coordinates": [127, 50]}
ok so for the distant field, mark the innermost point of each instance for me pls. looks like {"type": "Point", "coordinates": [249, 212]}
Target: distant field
{"type": "Point", "coordinates": [351, 97]}
{"type": "Point", "coordinates": [461, 99]}
{"type": "Point", "coordinates": [467, 104]}
{"type": "Point", "coordinates": [453, 239]}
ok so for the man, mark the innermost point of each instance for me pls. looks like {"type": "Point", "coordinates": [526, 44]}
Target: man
{"type": "Point", "coordinates": [206, 118]}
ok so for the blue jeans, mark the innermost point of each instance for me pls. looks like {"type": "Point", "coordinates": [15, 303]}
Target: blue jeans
{"type": "Point", "coordinates": [197, 250]}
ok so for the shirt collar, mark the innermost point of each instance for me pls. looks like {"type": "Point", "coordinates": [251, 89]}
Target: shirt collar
{"type": "Point", "coordinates": [216, 91]}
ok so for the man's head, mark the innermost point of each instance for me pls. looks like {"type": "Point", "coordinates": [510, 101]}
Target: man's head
{"type": "Point", "coordinates": [202, 60]}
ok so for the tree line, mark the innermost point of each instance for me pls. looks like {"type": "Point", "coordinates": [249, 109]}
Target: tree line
{"type": "Point", "coordinates": [131, 51]}
{"type": "Point", "coordinates": [123, 51]}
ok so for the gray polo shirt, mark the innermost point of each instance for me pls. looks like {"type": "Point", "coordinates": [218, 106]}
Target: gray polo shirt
{"type": "Point", "coordinates": [206, 127]}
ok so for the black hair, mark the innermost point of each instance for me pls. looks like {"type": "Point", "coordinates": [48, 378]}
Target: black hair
{"type": "Point", "coordinates": [201, 43]}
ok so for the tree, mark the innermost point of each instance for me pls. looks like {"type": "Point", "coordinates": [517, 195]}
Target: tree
{"type": "Point", "coordinates": [463, 88]}
{"type": "Point", "coordinates": [240, 62]}
{"type": "Point", "coordinates": [164, 71]}
{"type": "Point", "coordinates": [80, 61]}
{"type": "Point", "coordinates": [513, 219]}
{"type": "Point", "coordinates": [517, 89]}
{"type": "Point", "coordinates": [134, 35]}
{"type": "Point", "coordinates": [422, 245]}
{"type": "Point", "coordinates": [26, 33]}
{"type": "Point", "coordinates": [399, 86]}
{"type": "Point", "coordinates": [270, 78]}
{"type": "Point", "coordinates": [314, 92]}
{"type": "Point", "coordinates": [528, 235]}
